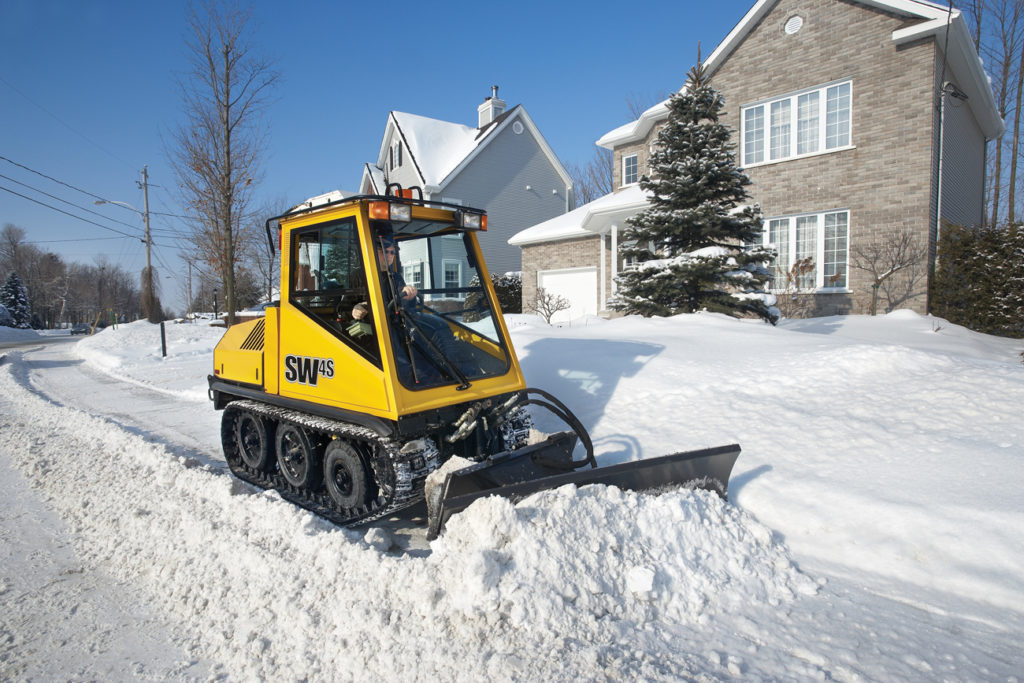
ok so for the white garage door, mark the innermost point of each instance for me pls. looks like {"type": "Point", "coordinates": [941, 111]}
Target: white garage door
{"type": "Point", "coordinates": [578, 285]}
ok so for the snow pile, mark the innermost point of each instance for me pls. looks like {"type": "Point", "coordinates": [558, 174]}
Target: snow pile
{"type": "Point", "coordinates": [134, 352]}
{"type": "Point", "coordinates": [619, 554]}
{"type": "Point", "coordinates": [13, 334]}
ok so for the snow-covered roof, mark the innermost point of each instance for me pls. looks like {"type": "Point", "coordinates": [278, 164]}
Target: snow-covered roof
{"type": "Point", "coordinates": [936, 21]}
{"type": "Point", "coordinates": [375, 176]}
{"type": "Point", "coordinates": [590, 219]}
{"type": "Point", "coordinates": [439, 150]}
{"type": "Point", "coordinates": [435, 147]}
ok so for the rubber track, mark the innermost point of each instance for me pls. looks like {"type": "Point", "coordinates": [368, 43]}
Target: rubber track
{"type": "Point", "coordinates": [407, 488]}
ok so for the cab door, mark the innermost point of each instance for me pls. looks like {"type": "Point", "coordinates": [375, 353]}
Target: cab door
{"type": "Point", "coordinates": [326, 356]}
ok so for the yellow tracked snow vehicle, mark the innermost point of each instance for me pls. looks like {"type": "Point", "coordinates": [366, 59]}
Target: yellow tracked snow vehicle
{"type": "Point", "coordinates": [374, 369]}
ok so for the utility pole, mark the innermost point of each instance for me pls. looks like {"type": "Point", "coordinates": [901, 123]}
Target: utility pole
{"type": "Point", "coordinates": [149, 269]}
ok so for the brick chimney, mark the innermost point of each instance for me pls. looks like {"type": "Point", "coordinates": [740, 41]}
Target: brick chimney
{"type": "Point", "coordinates": [491, 109]}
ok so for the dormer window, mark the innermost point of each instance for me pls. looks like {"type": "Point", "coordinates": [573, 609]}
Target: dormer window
{"type": "Point", "coordinates": [630, 170]}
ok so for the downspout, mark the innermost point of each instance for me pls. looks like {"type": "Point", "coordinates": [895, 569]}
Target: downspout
{"type": "Point", "coordinates": [938, 191]}
{"type": "Point", "coordinates": [953, 91]}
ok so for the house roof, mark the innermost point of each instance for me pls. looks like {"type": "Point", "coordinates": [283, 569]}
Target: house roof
{"type": "Point", "coordinates": [590, 219]}
{"type": "Point", "coordinates": [440, 149]}
{"type": "Point", "coordinates": [935, 21]}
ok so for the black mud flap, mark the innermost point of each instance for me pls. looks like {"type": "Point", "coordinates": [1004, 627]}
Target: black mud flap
{"type": "Point", "coordinates": [548, 465]}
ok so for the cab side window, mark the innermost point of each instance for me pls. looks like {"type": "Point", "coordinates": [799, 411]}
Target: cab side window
{"type": "Point", "coordinates": [327, 281]}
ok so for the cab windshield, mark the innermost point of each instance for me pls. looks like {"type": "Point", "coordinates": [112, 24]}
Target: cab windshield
{"type": "Point", "coordinates": [444, 329]}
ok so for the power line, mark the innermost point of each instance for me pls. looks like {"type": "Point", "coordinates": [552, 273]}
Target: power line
{"type": "Point", "coordinates": [81, 208]}
{"type": "Point", "coordinates": [59, 182]}
{"type": "Point", "coordinates": [67, 213]}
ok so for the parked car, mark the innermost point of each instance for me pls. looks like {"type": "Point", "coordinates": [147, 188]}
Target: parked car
{"type": "Point", "coordinates": [80, 328]}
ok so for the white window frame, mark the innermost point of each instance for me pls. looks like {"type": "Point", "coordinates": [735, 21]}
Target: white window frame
{"type": "Point", "coordinates": [636, 162]}
{"type": "Point", "coordinates": [820, 245]}
{"type": "Point", "coordinates": [444, 274]}
{"type": "Point", "coordinates": [413, 273]}
{"type": "Point", "coordinates": [777, 129]}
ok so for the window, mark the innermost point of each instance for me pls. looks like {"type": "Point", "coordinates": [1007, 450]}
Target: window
{"type": "Point", "coordinates": [413, 273]}
{"type": "Point", "coordinates": [780, 126]}
{"type": "Point", "coordinates": [453, 275]}
{"type": "Point", "coordinates": [328, 279]}
{"type": "Point", "coordinates": [630, 170]}
{"type": "Point", "coordinates": [395, 155]}
{"type": "Point", "coordinates": [812, 250]}
{"type": "Point", "coordinates": [820, 119]}
{"type": "Point", "coordinates": [753, 136]}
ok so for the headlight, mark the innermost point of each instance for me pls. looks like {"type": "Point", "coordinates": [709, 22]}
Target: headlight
{"type": "Point", "coordinates": [387, 211]}
{"type": "Point", "coordinates": [471, 221]}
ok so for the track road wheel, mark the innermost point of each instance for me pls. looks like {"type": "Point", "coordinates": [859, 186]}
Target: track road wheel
{"type": "Point", "coordinates": [349, 482]}
{"type": "Point", "coordinates": [298, 458]}
{"type": "Point", "coordinates": [255, 443]}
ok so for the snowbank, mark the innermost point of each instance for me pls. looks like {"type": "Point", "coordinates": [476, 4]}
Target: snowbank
{"type": "Point", "coordinates": [875, 527]}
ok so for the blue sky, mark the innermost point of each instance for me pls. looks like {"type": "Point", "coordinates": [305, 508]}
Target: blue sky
{"type": "Point", "coordinates": [88, 95]}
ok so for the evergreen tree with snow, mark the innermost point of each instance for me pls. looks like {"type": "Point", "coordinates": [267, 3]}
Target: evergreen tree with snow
{"type": "Point", "coordinates": [14, 297]}
{"type": "Point", "coordinates": [693, 243]}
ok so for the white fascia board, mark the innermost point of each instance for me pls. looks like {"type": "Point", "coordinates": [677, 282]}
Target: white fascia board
{"type": "Point", "coordinates": [590, 219]}
{"type": "Point", "coordinates": [964, 63]}
{"type": "Point", "coordinates": [637, 130]}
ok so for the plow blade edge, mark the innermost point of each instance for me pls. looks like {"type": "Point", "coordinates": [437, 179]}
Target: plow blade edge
{"type": "Point", "coordinates": [548, 465]}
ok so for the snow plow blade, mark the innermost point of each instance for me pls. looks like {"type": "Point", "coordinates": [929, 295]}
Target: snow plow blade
{"type": "Point", "coordinates": [549, 464]}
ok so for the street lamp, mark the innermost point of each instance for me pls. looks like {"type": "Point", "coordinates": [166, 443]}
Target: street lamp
{"type": "Point", "coordinates": [148, 280]}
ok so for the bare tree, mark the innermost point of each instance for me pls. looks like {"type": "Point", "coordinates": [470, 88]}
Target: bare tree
{"type": "Point", "coordinates": [1002, 53]}
{"type": "Point", "coordinates": [795, 301]}
{"type": "Point", "coordinates": [261, 254]}
{"type": "Point", "coordinates": [13, 250]}
{"type": "Point", "coordinates": [593, 179]}
{"type": "Point", "coordinates": [900, 252]}
{"type": "Point", "coordinates": [1015, 138]}
{"type": "Point", "coordinates": [974, 10]}
{"type": "Point", "coordinates": [218, 151]}
{"type": "Point", "coordinates": [546, 304]}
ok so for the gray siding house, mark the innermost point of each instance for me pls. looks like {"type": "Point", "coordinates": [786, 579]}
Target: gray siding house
{"type": "Point", "coordinates": [503, 165]}
{"type": "Point", "coordinates": [856, 120]}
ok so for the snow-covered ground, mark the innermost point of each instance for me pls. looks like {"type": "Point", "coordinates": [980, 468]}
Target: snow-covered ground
{"type": "Point", "coordinates": [875, 527]}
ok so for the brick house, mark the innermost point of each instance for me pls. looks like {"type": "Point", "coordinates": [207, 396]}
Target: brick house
{"type": "Point", "coordinates": [856, 120]}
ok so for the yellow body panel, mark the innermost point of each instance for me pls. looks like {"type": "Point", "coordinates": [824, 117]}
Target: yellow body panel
{"type": "Point", "coordinates": [305, 360]}
{"type": "Point", "coordinates": [239, 357]}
